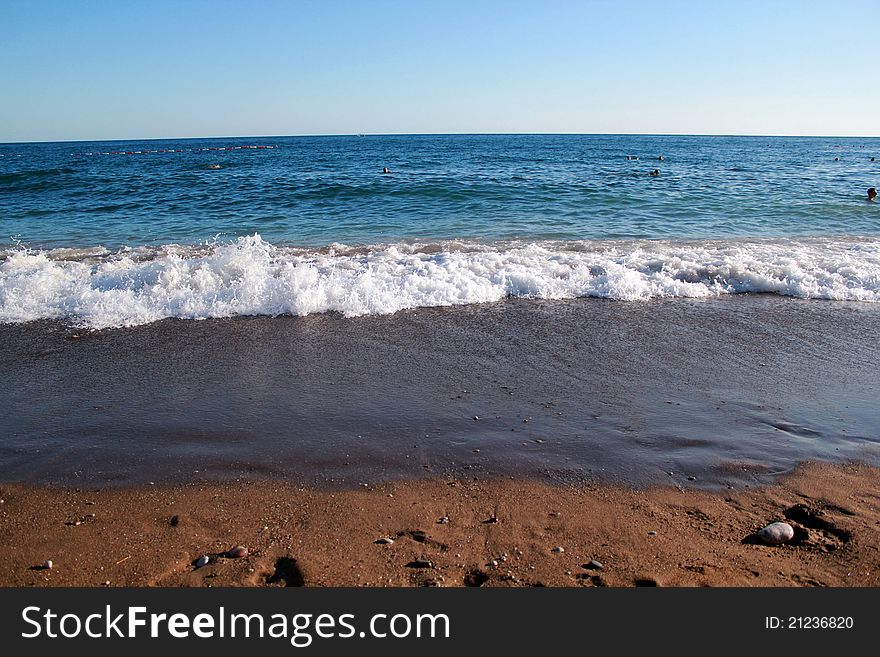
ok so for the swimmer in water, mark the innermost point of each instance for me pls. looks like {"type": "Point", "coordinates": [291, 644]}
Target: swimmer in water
{"type": "Point", "coordinates": [386, 170]}
{"type": "Point", "coordinates": [655, 172]}
{"type": "Point", "coordinates": [872, 194]}
{"type": "Point", "coordinates": [661, 158]}
{"type": "Point", "coordinates": [213, 166]}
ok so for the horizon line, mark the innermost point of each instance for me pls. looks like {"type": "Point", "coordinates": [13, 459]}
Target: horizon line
{"type": "Point", "coordinates": [443, 134]}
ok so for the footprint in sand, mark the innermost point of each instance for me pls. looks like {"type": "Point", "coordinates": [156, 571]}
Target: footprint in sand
{"type": "Point", "coordinates": [287, 573]}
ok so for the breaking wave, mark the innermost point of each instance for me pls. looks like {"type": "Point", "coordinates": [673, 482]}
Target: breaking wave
{"type": "Point", "coordinates": [98, 289]}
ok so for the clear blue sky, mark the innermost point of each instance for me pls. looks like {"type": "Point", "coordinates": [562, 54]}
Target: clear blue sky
{"type": "Point", "coordinates": [128, 69]}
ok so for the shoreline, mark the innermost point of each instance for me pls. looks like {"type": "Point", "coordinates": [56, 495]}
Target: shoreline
{"type": "Point", "coordinates": [721, 393]}
{"type": "Point", "coordinates": [652, 438]}
{"type": "Point", "coordinates": [299, 536]}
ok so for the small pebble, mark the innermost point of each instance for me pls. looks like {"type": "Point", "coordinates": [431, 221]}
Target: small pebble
{"type": "Point", "coordinates": [593, 565]}
{"type": "Point", "coordinates": [692, 478]}
{"type": "Point", "coordinates": [476, 417]}
{"type": "Point", "coordinates": [444, 520]}
{"type": "Point", "coordinates": [238, 552]}
{"type": "Point", "coordinates": [202, 561]}
{"type": "Point", "coordinates": [776, 533]}
{"type": "Point", "coordinates": [47, 564]}
{"type": "Point", "coordinates": [652, 533]}
{"type": "Point", "coordinates": [558, 548]}
{"type": "Point", "coordinates": [384, 541]}
{"type": "Point", "coordinates": [174, 520]}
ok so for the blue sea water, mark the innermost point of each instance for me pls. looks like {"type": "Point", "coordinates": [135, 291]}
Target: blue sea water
{"type": "Point", "coordinates": [121, 233]}
{"type": "Point", "coordinates": [319, 190]}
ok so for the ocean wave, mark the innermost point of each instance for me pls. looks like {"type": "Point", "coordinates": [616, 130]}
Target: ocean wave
{"type": "Point", "coordinates": [98, 289]}
{"type": "Point", "coordinates": [15, 176]}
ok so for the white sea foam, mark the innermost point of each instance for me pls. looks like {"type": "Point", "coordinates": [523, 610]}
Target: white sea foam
{"type": "Point", "coordinates": [252, 277]}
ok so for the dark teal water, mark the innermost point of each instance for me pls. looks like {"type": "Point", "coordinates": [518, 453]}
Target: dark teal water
{"type": "Point", "coordinates": [319, 190]}
{"type": "Point", "coordinates": [122, 233]}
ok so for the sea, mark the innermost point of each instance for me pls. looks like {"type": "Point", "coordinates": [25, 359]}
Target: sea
{"type": "Point", "coordinates": [122, 233]}
{"type": "Point", "coordinates": [494, 306]}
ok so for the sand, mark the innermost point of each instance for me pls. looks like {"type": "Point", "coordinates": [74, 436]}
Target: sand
{"type": "Point", "coordinates": [498, 533]}
{"type": "Point", "coordinates": [732, 391]}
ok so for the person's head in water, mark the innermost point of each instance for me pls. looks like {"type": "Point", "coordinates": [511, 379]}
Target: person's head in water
{"type": "Point", "coordinates": [386, 170]}
{"type": "Point", "coordinates": [661, 158]}
{"type": "Point", "coordinates": [872, 193]}
{"type": "Point", "coordinates": [655, 172]}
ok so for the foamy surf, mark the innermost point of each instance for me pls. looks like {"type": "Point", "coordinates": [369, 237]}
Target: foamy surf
{"type": "Point", "coordinates": [96, 289]}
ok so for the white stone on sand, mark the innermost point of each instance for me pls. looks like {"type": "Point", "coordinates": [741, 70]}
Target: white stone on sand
{"type": "Point", "coordinates": [776, 533]}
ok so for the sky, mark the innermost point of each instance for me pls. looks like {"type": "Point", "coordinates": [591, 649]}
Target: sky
{"type": "Point", "coordinates": [88, 69]}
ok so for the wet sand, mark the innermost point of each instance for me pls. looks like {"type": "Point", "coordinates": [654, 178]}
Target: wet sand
{"type": "Point", "coordinates": [732, 392]}
{"type": "Point", "coordinates": [654, 438]}
{"type": "Point", "coordinates": [498, 533]}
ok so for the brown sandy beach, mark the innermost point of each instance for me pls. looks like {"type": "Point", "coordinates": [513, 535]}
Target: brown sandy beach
{"type": "Point", "coordinates": [496, 533]}
{"type": "Point", "coordinates": [654, 439]}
